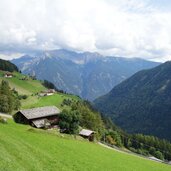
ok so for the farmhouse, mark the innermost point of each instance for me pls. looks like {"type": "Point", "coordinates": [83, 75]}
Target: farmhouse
{"type": "Point", "coordinates": [48, 92]}
{"type": "Point", "coordinates": [38, 117]}
{"type": "Point", "coordinates": [87, 134]}
{"type": "Point", "coordinates": [8, 75]}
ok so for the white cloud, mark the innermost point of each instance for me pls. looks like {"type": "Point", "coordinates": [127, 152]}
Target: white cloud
{"type": "Point", "coordinates": [131, 28]}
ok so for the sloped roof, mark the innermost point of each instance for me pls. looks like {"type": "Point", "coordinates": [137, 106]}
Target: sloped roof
{"type": "Point", "coordinates": [40, 112]}
{"type": "Point", "coordinates": [40, 123]}
{"type": "Point", "coordinates": [86, 132]}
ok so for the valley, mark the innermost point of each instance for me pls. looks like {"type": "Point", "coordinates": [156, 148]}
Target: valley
{"type": "Point", "coordinates": [88, 75]}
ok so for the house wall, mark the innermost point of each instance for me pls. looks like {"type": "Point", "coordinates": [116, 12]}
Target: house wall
{"type": "Point", "coordinates": [20, 118]}
{"type": "Point", "coordinates": [53, 119]}
{"type": "Point", "coordinates": [90, 137]}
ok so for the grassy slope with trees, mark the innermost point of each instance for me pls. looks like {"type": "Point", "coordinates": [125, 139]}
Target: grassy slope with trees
{"type": "Point", "coordinates": [24, 148]}
{"type": "Point", "coordinates": [88, 118]}
{"type": "Point", "coordinates": [31, 88]}
{"type": "Point", "coordinates": [80, 113]}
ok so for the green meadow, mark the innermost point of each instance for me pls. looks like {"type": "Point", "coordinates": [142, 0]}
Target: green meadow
{"type": "Point", "coordinates": [32, 88]}
{"type": "Point", "coordinates": [56, 100]}
{"type": "Point", "coordinates": [24, 148]}
{"type": "Point", "coordinates": [27, 87]}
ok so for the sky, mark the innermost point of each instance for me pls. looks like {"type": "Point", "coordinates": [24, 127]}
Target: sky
{"type": "Point", "coordinates": [126, 28]}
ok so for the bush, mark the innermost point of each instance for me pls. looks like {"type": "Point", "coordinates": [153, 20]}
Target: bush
{"type": "Point", "coordinates": [9, 99]}
{"type": "Point", "coordinates": [133, 150]}
{"type": "Point", "coordinates": [23, 97]}
{"type": "Point", "coordinates": [67, 102]}
{"type": "Point", "coordinates": [110, 140]}
{"type": "Point", "coordinates": [159, 155]}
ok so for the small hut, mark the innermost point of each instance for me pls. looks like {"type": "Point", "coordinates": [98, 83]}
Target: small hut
{"type": "Point", "coordinates": [41, 117]}
{"type": "Point", "coordinates": [8, 75]}
{"type": "Point", "coordinates": [87, 134]}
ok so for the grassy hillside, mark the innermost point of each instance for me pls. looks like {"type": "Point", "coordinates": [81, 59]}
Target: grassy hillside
{"type": "Point", "coordinates": [27, 87]}
{"type": "Point", "coordinates": [25, 149]}
{"type": "Point", "coordinates": [56, 100]}
{"type": "Point", "coordinates": [31, 88]}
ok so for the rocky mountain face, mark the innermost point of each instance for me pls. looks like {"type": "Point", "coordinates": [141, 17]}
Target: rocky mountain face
{"type": "Point", "coordinates": [88, 75]}
{"type": "Point", "coordinates": [142, 103]}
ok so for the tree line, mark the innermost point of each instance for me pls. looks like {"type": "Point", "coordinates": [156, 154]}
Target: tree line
{"type": "Point", "coordinates": [7, 66]}
{"type": "Point", "coordinates": [138, 143]}
{"type": "Point", "coordinates": [82, 114]}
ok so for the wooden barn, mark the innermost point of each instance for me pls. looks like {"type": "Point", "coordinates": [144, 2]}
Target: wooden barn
{"type": "Point", "coordinates": [38, 117]}
{"type": "Point", "coordinates": [87, 134]}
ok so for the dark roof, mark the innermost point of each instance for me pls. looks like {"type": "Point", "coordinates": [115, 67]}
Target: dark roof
{"type": "Point", "coordinates": [8, 73]}
{"type": "Point", "coordinates": [40, 112]}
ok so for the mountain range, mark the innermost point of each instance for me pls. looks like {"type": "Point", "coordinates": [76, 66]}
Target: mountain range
{"type": "Point", "coordinates": [87, 74]}
{"type": "Point", "coordinates": [141, 103]}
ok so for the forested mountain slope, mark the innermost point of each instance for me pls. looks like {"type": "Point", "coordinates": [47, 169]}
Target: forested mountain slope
{"type": "Point", "coordinates": [142, 103]}
{"type": "Point", "coordinates": [7, 66]}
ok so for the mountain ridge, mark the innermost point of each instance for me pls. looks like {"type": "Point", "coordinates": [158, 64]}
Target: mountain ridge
{"type": "Point", "coordinates": [141, 103]}
{"type": "Point", "coordinates": [86, 74]}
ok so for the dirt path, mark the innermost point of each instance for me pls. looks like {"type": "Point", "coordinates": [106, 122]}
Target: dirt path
{"type": "Point", "coordinates": [106, 146]}
{"type": "Point", "coordinates": [5, 115]}
{"type": "Point", "coordinates": [115, 149]}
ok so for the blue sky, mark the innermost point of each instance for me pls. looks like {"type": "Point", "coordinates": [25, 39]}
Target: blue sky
{"type": "Point", "coordinates": [129, 28]}
{"type": "Point", "coordinates": [161, 4]}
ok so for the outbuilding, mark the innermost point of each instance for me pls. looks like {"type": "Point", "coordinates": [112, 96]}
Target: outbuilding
{"type": "Point", "coordinates": [38, 117]}
{"type": "Point", "coordinates": [87, 134]}
{"type": "Point", "coordinates": [48, 92]}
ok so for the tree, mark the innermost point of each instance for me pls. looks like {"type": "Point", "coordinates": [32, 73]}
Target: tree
{"type": "Point", "coordinates": [7, 66]}
{"type": "Point", "coordinates": [89, 118]}
{"type": "Point", "coordinates": [69, 121]}
{"type": "Point", "coordinates": [49, 84]}
{"type": "Point", "coordinates": [152, 150]}
{"type": "Point", "coordinates": [159, 155]}
{"type": "Point", "coordinates": [115, 135]}
{"type": "Point", "coordinates": [8, 98]}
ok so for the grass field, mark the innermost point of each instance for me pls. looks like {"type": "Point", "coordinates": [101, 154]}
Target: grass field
{"type": "Point", "coordinates": [56, 100]}
{"type": "Point", "coordinates": [23, 149]}
{"type": "Point", "coordinates": [30, 88]}
{"type": "Point", "coordinates": [27, 87]}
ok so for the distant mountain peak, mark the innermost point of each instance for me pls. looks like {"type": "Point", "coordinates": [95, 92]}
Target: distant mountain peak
{"type": "Point", "coordinates": [86, 74]}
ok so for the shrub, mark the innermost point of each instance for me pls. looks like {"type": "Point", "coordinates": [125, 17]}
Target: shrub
{"type": "Point", "coordinates": [159, 155]}
{"type": "Point", "coordinates": [23, 97]}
